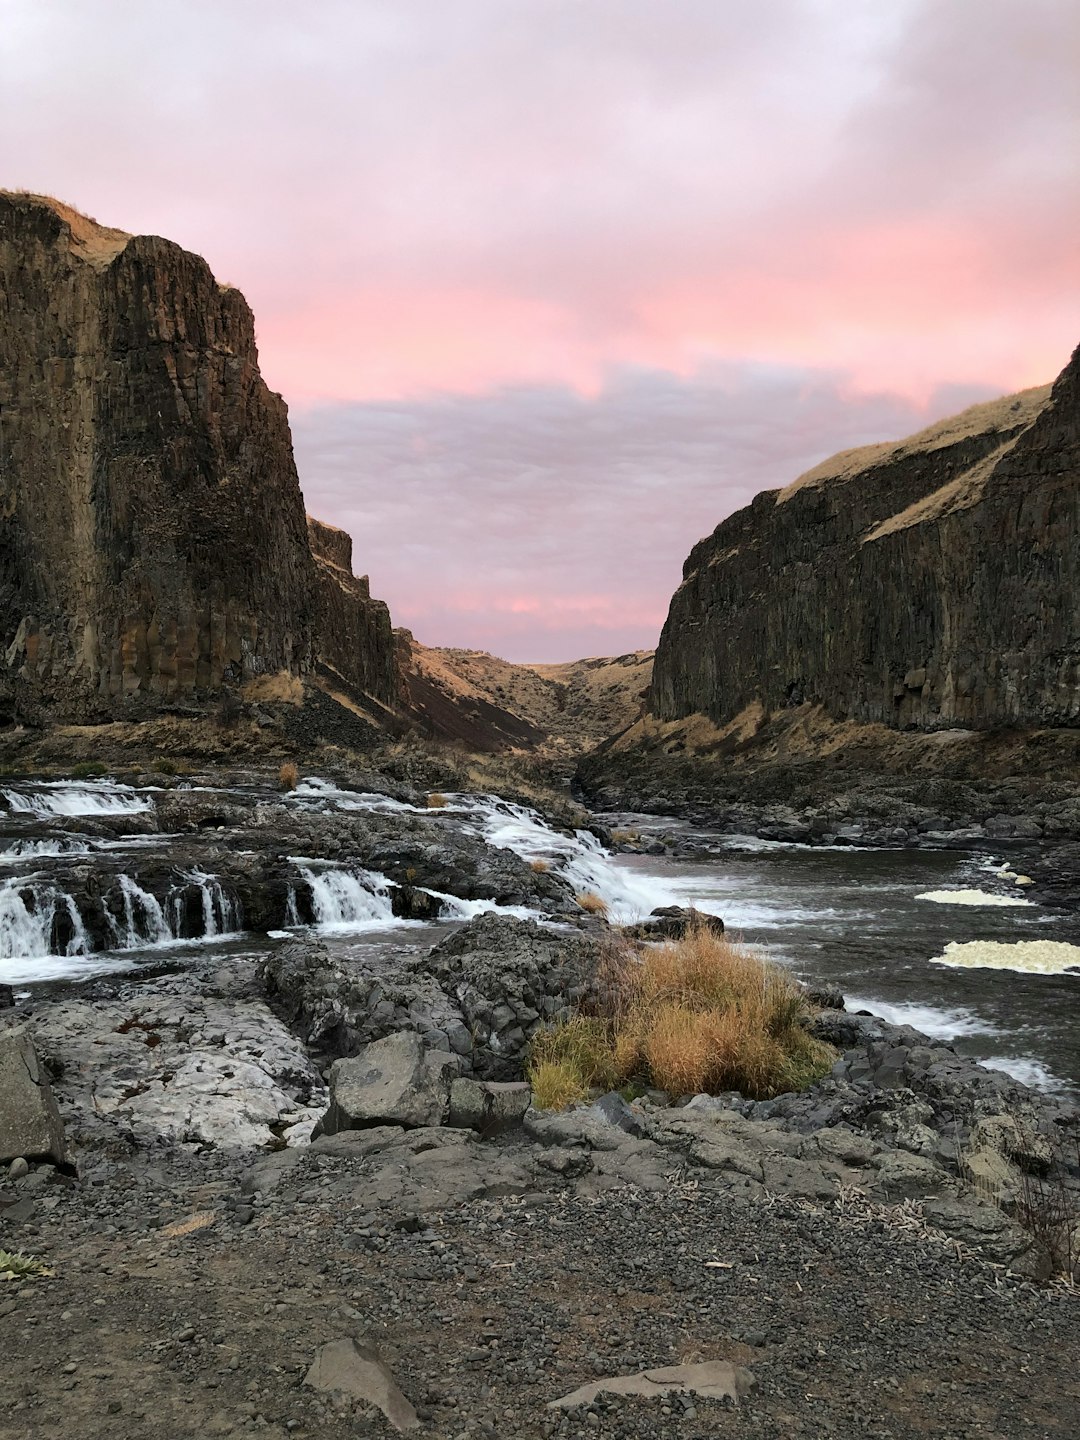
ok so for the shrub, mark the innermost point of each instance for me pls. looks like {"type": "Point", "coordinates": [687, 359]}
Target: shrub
{"type": "Point", "coordinates": [288, 776]}
{"type": "Point", "coordinates": [556, 1085]}
{"type": "Point", "coordinates": [696, 1015]}
{"type": "Point", "coordinates": [165, 767]}
{"type": "Point", "coordinates": [591, 903]}
{"type": "Point", "coordinates": [87, 770]}
{"type": "Point", "coordinates": [540, 866]}
{"type": "Point", "coordinates": [436, 801]}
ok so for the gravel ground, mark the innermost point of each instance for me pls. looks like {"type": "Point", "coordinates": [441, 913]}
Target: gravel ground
{"type": "Point", "coordinates": [180, 1308]}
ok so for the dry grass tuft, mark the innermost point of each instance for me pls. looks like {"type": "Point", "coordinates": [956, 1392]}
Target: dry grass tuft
{"type": "Point", "coordinates": [280, 688]}
{"type": "Point", "coordinates": [288, 776]}
{"type": "Point", "coordinates": [591, 903]}
{"type": "Point", "coordinates": [541, 867]}
{"type": "Point", "coordinates": [699, 1015]}
{"type": "Point", "coordinates": [556, 1085]}
{"type": "Point", "coordinates": [436, 801]}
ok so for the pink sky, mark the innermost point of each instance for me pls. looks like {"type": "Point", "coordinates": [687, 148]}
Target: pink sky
{"type": "Point", "coordinates": [553, 286]}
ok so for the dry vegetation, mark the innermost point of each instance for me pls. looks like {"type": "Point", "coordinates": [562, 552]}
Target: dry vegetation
{"type": "Point", "coordinates": [539, 867]}
{"type": "Point", "coordinates": [697, 1015]}
{"type": "Point", "coordinates": [436, 801]}
{"type": "Point", "coordinates": [591, 903]}
{"type": "Point", "coordinates": [288, 776]}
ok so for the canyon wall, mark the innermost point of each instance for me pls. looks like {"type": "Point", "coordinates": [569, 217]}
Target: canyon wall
{"type": "Point", "coordinates": [355, 636]}
{"type": "Point", "coordinates": [928, 584]}
{"type": "Point", "coordinates": [154, 547]}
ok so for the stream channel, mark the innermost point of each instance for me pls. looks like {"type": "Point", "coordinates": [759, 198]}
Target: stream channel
{"type": "Point", "coordinates": [93, 882]}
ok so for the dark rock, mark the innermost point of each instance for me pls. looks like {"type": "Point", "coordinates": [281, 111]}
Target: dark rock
{"type": "Point", "coordinates": [393, 1081]}
{"type": "Point", "coordinates": [30, 1125]}
{"type": "Point", "coordinates": [157, 545]}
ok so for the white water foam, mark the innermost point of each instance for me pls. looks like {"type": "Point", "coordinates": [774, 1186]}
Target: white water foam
{"type": "Point", "coordinates": [972, 897]}
{"type": "Point", "coordinates": [26, 929]}
{"type": "Point", "coordinates": [16, 851]}
{"type": "Point", "coordinates": [316, 789]}
{"type": "Point", "coordinates": [939, 1024]}
{"type": "Point", "coordinates": [348, 901]}
{"type": "Point", "coordinates": [579, 859]}
{"type": "Point", "coordinates": [1027, 1071]}
{"type": "Point", "coordinates": [62, 797]}
{"type": "Point", "coordinates": [454, 908]}
{"type": "Point", "coordinates": [1025, 957]}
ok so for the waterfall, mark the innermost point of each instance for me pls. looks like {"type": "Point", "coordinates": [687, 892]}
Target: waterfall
{"type": "Point", "coordinates": [222, 913]}
{"type": "Point", "coordinates": [579, 859]}
{"type": "Point", "coordinates": [29, 929]}
{"type": "Point", "coordinates": [143, 921]}
{"type": "Point", "coordinates": [342, 900]}
{"type": "Point", "coordinates": [62, 797]}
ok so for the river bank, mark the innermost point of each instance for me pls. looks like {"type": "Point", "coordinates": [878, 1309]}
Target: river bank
{"type": "Point", "coordinates": [204, 1247]}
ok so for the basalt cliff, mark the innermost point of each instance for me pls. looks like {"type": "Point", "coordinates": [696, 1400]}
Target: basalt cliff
{"type": "Point", "coordinates": [155, 550]}
{"type": "Point", "coordinates": [904, 607]}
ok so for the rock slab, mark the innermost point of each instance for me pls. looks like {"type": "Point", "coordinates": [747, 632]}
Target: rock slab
{"type": "Point", "coordinates": [353, 1367]}
{"type": "Point", "coordinates": [30, 1125]}
{"type": "Point", "coordinates": [393, 1081]}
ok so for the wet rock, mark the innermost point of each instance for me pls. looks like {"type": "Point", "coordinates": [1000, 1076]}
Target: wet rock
{"type": "Point", "coordinates": [30, 1124]}
{"type": "Point", "coordinates": [393, 1081]}
{"type": "Point", "coordinates": [672, 922]}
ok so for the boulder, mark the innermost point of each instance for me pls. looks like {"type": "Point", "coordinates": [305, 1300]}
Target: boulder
{"type": "Point", "coordinates": [393, 1081]}
{"type": "Point", "coordinates": [671, 922]}
{"type": "Point", "coordinates": [488, 1106]}
{"type": "Point", "coordinates": [30, 1124]}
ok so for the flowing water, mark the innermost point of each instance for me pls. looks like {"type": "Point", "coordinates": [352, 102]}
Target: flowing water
{"type": "Point", "coordinates": [942, 940]}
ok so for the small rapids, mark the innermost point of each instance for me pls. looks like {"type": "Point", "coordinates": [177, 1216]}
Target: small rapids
{"type": "Point", "coordinates": [62, 797]}
{"type": "Point", "coordinates": [345, 901]}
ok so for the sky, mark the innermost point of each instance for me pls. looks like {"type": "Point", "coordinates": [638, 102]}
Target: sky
{"type": "Point", "coordinates": [553, 286]}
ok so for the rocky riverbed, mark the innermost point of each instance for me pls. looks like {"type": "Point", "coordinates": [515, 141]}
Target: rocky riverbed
{"type": "Point", "coordinates": [276, 1143]}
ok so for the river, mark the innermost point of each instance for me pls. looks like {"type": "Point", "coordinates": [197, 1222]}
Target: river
{"type": "Point", "coordinates": [876, 923]}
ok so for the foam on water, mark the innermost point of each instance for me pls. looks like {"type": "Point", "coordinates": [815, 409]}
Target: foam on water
{"type": "Point", "coordinates": [579, 859]}
{"type": "Point", "coordinates": [348, 901]}
{"type": "Point", "coordinates": [1026, 957]}
{"type": "Point", "coordinates": [63, 797]}
{"type": "Point", "coordinates": [454, 908]}
{"type": "Point", "coordinates": [1027, 1071]}
{"type": "Point", "coordinates": [40, 969]}
{"type": "Point", "coordinates": [316, 789]}
{"type": "Point", "coordinates": [972, 897]}
{"type": "Point", "coordinates": [939, 1024]}
{"type": "Point", "coordinates": [18, 850]}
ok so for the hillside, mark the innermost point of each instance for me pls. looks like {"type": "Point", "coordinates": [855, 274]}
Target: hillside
{"type": "Point", "coordinates": [486, 704]}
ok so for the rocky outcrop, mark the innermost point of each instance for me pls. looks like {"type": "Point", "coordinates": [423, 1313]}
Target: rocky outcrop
{"type": "Point", "coordinates": [928, 584]}
{"type": "Point", "coordinates": [355, 636]}
{"type": "Point", "coordinates": [155, 549]}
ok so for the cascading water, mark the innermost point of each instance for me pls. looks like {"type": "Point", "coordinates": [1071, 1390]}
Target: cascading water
{"type": "Point", "coordinates": [142, 921]}
{"type": "Point", "coordinates": [221, 913]}
{"type": "Point", "coordinates": [579, 859]}
{"type": "Point", "coordinates": [346, 900]}
{"type": "Point", "coordinates": [61, 797]}
{"type": "Point", "coordinates": [28, 929]}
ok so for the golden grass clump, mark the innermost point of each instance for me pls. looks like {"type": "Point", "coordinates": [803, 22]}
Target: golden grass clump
{"type": "Point", "coordinates": [591, 903]}
{"type": "Point", "coordinates": [556, 1085]}
{"type": "Point", "coordinates": [541, 867]}
{"type": "Point", "coordinates": [436, 801]}
{"type": "Point", "coordinates": [288, 776]}
{"type": "Point", "coordinates": [698, 1015]}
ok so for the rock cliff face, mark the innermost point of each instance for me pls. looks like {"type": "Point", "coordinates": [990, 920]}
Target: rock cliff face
{"type": "Point", "coordinates": [929, 584]}
{"type": "Point", "coordinates": [155, 546]}
{"type": "Point", "coordinates": [354, 632]}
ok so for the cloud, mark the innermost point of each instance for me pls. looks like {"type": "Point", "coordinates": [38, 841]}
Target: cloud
{"type": "Point", "coordinates": [543, 524]}
{"type": "Point", "coordinates": [418, 196]}
{"type": "Point", "coordinates": [553, 286]}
